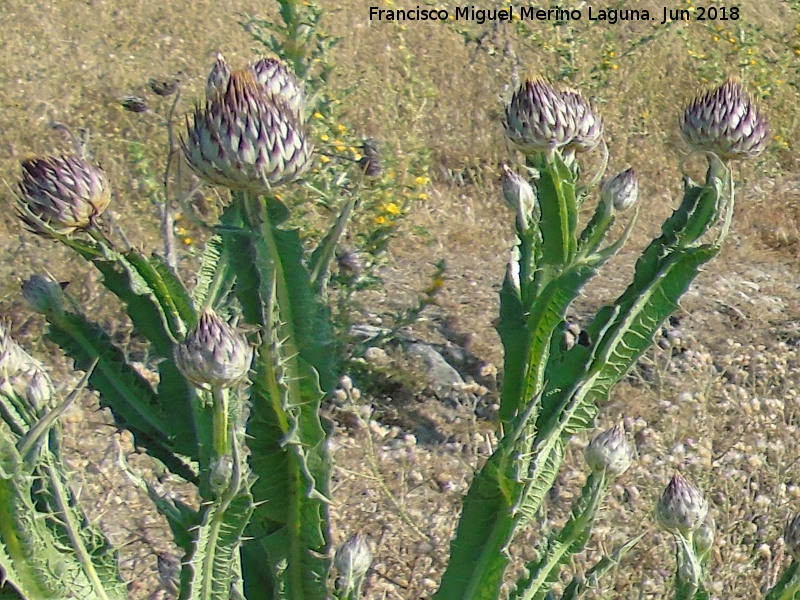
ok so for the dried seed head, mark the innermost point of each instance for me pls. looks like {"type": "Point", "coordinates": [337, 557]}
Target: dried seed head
{"type": "Point", "coordinates": [163, 87]}
{"type": "Point", "coordinates": [681, 508]}
{"type": "Point", "coordinates": [246, 139]}
{"type": "Point", "coordinates": [519, 195]}
{"type": "Point", "coordinates": [541, 118]}
{"type": "Point", "coordinates": [610, 451]}
{"type": "Point", "coordinates": [279, 81]}
{"type": "Point", "coordinates": [61, 193]}
{"type": "Point", "coordinates": [725, 121]}
{"type": "Point", "coordinates": [218, 78]}
{"type": "Point", "coordinates": [353, 560]}
{"type": "Point", "coordinates": [214, 353]}
{"type": "Point", "coordinates": [134, 104]}
{"type": "Point", "coordinates": [622, 190]}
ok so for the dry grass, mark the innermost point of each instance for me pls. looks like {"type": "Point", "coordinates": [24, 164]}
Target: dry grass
{"type": "Point", "coordinates": [723, 405]}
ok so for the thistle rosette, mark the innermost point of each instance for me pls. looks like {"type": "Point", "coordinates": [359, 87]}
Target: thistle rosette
{"type": "Point", "coordinates": [681, 509]}
{"type": "Point", "coordinates": [61, 193]}
{"type": "Point", "coordinates": [541, 118]}
{"type": "Point", "coordinates": [245, 139]}
{"type": "Point", "coordinates": [214, 354]}
{"type": "Point", "coordinates": [725, 121]}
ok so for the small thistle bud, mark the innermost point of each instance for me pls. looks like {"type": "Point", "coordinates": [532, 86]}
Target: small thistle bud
{"type": "Point", "coordinates": [681, 508]}
{"type": "Point", "coordinates": [622, 190]}
{"type": "Point", "coordinates": [40, 390]}
{"type": "Point", "coordinates": [244, 139]}
{"type": "Point", "coordinates": [588, 124]}
{"type": "Point", "coordinates": [791, 536]}
{"type": "Point", "coordinates": [63, 193]}
{"type": "Point", "coordinates": [610, 451]}
{"type": "Point", "coordinates": [214, 353]}
{"type": "Point", "coordinates": [278, 80]}
{"type": "Point", "coordinates": [218, 78]}
{"type": "Point", "coordinates": [134, 104]}
{"type": "Point", "coordinates": [538, 118]}
{"type": "Point", "coordinates": [725, 121]}
{"type": "Point", "coordinates": [43, 294]}
{"type": "Point", "coordinates": [353, 560]}
{"type": "Point", "coordinates": [163, 87]}
{"type": "Point", "coordinates": [519, 195]}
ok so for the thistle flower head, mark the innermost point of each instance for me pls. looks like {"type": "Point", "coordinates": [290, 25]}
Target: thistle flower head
{"type": "Point", "coordinates": [588, 124]}
{"type": "Point", "coordinates": [519, 195]}
{"type": "Point", "coordinates": [218, 77]}
{"type": "Point", "coordinates": [279, 81]}
{"type": "Point", "coordinates": [246, 139]}
{"type": "Point", "coordinates": [541, 118]}
{"type": "Point", "coordinates": [62, 193]}
{"type": "Point", "coordinates": [622, 190]}
{"type": "Point", "coordinates": [353, 559]}
{"type": "Point", "coordinates": [610, 451]}
{"type": "Point", "coordinates": [214, 353]}
{"type": "Point", "coordinates": [725, 121]}
{"type": "Point", "coordinates": [681, 508]}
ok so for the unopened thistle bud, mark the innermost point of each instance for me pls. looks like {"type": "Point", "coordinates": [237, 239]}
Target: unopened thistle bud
{"type": "Point", "coordinates": [163, 87]}
{"type": "Point", "coordinates": [791, 536]}
{"type": "Point", "coordinates": [220, 473]}
{"type": "Point", "coordinates": [725, 121]}
{"type": "Point", "coordinates": [353, 560]}
{"type": "Point", "coordinates": [681, 508]}
{"type": "Point", "coordinates": [244, 139]}
{"type": "Point", "coordinates": [610, 451]}
{"type": "Point", "coordinates": [538, 119]}
{"type": "Point", "coordinates": [622, 190]}
{"type": "Point", "coordinates": [278, 80]}
{"type": "Point", "coordinates": [61, 193]}
{"type": "Point", "coordinates": [134, 104]}
{"type": "Point", "coordinates": [22, 375]}
{"type": "Point", "coordinates": [43, 294]}
{"type": "Point", "coordinates": [588, 124]}
{"type": "Point", "coordinates": [519, 195]}
{"type": "Point", "coordinates": [214, 353]}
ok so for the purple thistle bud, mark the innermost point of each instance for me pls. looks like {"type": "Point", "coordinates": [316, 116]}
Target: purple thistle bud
{"type": "Point", "coordinates": [61, 193]}
{"type": "Point", "coordinates": [519, 195]}
{"type": "Point", "coordinates": [588, 124]}
{"type": "Point", "coordinates": [725, 121]}
{"type": "Point", "coordinates": [218, 78]}
{"type": "Point", "coordinates": [244, 139]}
{"type": "Point", "coordinates": [279, 81]}
{"type": "Point", "coordinates": [214, 353]}
{"type": "Point", "coordinates": [610, 451]}
{"type": "Point", "coordinates": [538, 119]}
{"type": "Point", "coordinates": [622, 190]}
{"type": "Point", "coordinates": [681, 508]}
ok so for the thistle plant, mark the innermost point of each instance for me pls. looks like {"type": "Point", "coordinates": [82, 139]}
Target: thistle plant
{"type": "Point", "coordinates": [236, 409]}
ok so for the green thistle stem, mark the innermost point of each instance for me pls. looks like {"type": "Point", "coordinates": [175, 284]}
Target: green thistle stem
{"type": "Point", "coordinates": [220, 419]}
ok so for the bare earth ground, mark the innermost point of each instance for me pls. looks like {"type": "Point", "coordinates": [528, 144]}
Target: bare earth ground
{"type": "Point", "coordinates": [718, 399]}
